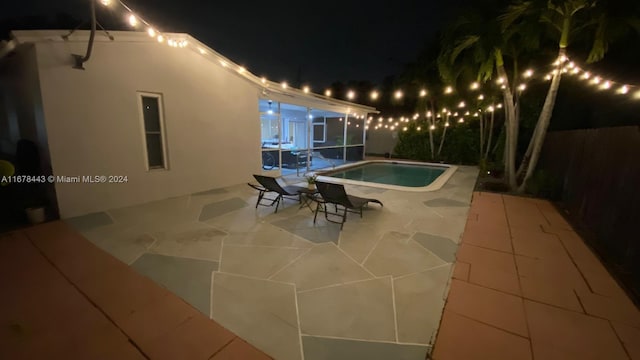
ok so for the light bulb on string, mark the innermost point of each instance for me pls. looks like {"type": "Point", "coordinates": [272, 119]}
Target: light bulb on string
{"type": "Point", "coordinates": [448, 90]}
{"type": "Point", "coordinates": [284, 85]}
{"type": "Point", "coordinates": [374, 95]}
{"type": "Point", "coordinates": [351, 94]}
{"type": "Point", "coordinates": [480, 97]}
{"type": "Point", "coordinates": [241, 69]}
{"type": "Point", "coordinates": [462, 104]}
{"type": "Point", "coordinates": [327, 93]}
{"type": "Point", "coordinates": [133, 21]}
{"type": "Point", "coordinates": [398, 94]}
{"type": "Point", "coordinates": [522, 87]}
{"type": "Point", "coordinates": [606, 85]}
{"type": "Point", "coordinates": [446, 124]}
{"type": "Point", "coordinates": [623, 90]}
{"type": "Point", "coordinates": [475, 86]}
{"type": "Point", "coordinates": [432, 127]}
{"type": "Point", "coordinates": [461, 120]}
{"type": "Point", "coordinates": [423, 93]}
{"type": "Point", "coordinates": [419, 128]}
{"type": "Point", "coordinates": [499, 106]}
{"type": "Point", "coordinates": [151, 32]}
{"type": "Point", "coordinates": [160, 38]}
{"type": "Point", "coordinates": [527, 74]}
{"type": "Point", "coordinates": [306, 89]}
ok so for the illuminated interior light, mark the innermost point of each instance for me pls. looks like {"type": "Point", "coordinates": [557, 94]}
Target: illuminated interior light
{"type": "Point", "coordinates": [263, 80]}
{"type": "Point", "coordinates": [202, 51]}
{"type": "Point", "coordinates": [241, 69]}
{"type": "Point", "coordinates": [133, 21]}
{"type": "Point", "coordinates": [223, 63]}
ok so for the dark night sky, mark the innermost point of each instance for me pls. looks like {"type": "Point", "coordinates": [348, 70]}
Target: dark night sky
{"type": "Point", "coordinates": [325, 40]}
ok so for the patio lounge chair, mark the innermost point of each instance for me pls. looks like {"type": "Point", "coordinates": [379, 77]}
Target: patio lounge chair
{"type": "Point", "coordinates": [336, 194]}
{"type": "Point", "coordinates": [270, 184]}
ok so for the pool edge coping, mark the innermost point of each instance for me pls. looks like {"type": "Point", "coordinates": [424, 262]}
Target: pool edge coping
{"type": "Point", "coordinates": [436, 184]}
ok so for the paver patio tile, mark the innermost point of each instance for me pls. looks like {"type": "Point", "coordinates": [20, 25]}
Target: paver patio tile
{"type": "Point", "coordinates": [359, 310]}
{"type": "Point", "coordinates": [125, 244]}
{"type": "Point", "coordinates": [488, 306]}
{"type": "Point", "coordinates": [257, 261]}
{"type": "Point", "coordinates": [397, 254]}
{"type": "Point", "coordinates": [461, 338]}
{"type": "Point", "coordinates": [598, 278]}
{"type": "Point", "coordinates": [419, 299]}
{"type": "Point", "coordinates": [90, 221]}
{"type": "Point", "coordinates": [323, 265]}
{"type": "Point", "coordinates": [157, 318]}
{"type": "Point", "coordinates": [563, 334]}
{"type": "Point", "coordinates": [239, 349]}
{"type": "Point", "coordinates": [267, 235]}
{"type": "Point", "coordinates": [630, 338]}
{"type": "Point", "coordinates": [495, 279]}
{"type": "Point", "coordinates": [538, 245]}
{"type": "Point", "coordinates": [196, 338]}
{"type": "Point", "coordinates": [461, 271]}
{"type": "Point", "coordinates": [549, 292]}
{"type": "Point", "coordinates": [321, 348]}
{"type": "Point", "coordinates": [620, 309]}
{"type": "Point", "coordinates": [486, 258]}
{"type": "Point", "coordinates": [359, 241]}
{"type": "Point", "coordinates": [487, 235]}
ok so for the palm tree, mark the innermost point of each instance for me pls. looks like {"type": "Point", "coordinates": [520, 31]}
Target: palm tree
{"type": "Point", "coordinates": [477, 38]}
{"type": "Point", "coordinates": [566, 18]}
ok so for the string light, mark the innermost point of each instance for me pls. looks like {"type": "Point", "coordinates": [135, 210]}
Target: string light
{"type": "Point", "coordinates": [105, 2]}
{"type": "Point", "coordinates": [133, 21]}
{"type": "Point", "coordinates": [241, 69]}
{"type": "Point", "coordinates": [327, 93]}
{"type": "Point", "coordinates": [284, 85]}
{"type": "Point", "coordinates": [522, 87]}
{"type": "Point", "coordinates": [160, 38]}
{"type": "Point", "coordinates": [374, 95]}
{"type": "Point", "coordinates": [151, 32]}
{"type": "Point", "coordinates": [527, 74]}
{"type": "Point", "coordinates": [398, 94]}
{"type": "Point", "coordinates": [306, 89]}
{"type": "Point", "coordinates": [623, 90]}
{"type": "Point", "coordinates": [423, 93]}
{"type": "Point", "coordinates": [351, 95]}
{"type": "Point", "coordinates": [448, 90]}
{"type": "Point", "coordinates": [475, 86]}
{"type": "Point", "coordinates": [480, 97]}
{"type": "Point", "coordinates": [462, 104]}
{"type": "Point", "coordinates": [263, 80]}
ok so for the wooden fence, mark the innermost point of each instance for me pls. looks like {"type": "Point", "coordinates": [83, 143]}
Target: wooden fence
{"type": "Point", "coordinates": [598, 171]}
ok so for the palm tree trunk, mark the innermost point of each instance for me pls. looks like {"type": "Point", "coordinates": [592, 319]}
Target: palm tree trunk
{"type": "Point", "coordinates": [511, 141]}
{"type": "Point", "coordinates": [481, 135]}
{"type": "Point", "coordinates": [486, 154]}
{"type": "Point", "coordinates": [444, 133]}
{"type": "Point", "coordinates": [547, 109]}
{"type": "Point", "coordinates": [431, 121]}
{"type": "Point", "coordinates": [525, 160]}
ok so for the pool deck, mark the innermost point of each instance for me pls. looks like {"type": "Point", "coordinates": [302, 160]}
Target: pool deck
{"type": "Point", "coordinates": [523, 286]}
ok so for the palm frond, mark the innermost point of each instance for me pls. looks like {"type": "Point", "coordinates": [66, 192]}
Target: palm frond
{"type": "Point", "coordinates": [462, 45]}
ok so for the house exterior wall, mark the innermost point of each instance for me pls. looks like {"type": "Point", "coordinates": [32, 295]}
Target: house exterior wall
{"type": "Point", "coordinates": [93, 122]}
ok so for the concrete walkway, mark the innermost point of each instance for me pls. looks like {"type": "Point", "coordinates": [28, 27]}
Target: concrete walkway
{"type": "Point", "coordinates": [63, 298]}
{"type": "Point", "coordinates": [525, 286]}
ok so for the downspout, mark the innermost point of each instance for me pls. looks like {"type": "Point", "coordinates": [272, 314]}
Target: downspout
{"type": "Point", "coordinates": [79, 60]}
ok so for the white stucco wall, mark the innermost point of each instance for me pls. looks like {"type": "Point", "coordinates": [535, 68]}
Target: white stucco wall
{"type": "Point", "coordinates": [94, 128]}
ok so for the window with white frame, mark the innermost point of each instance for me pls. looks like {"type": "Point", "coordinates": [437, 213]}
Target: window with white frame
{"type": "Point", "coordinates": [152, 118]}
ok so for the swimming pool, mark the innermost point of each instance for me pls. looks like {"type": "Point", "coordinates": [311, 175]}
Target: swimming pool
{"type": "Point", "coordinates": [396, 175]}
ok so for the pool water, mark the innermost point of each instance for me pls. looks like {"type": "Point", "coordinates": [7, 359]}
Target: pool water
{"type": "Point", "coordinates": [391, 174]}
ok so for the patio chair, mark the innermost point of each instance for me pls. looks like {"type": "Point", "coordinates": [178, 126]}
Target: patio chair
{"type": "Point", "coordinates": [270, 184]}
{"type": "Point", "coordinates": [336, 194]}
